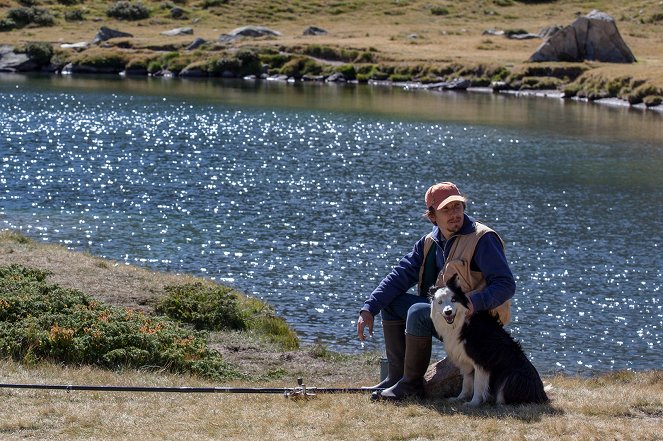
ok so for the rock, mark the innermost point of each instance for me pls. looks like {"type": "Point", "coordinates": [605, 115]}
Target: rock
{"type": "Point", "coordinates": [80, 46]}
{"type": "Point", "coordinates": [177, 12]}
{"type": "Point", "coordinates": [178, 31]}
{"type": "Point", "coordinates": [443, 380]}
{"type": "Point", "coordinates": [494, 32]}
{"type": "Point", "coordinates": [455, 84]}
{"type": "Point", "coordinates": [277, 78]}
{"type": "Point", "coordinates": [522, 36]}
{"type": "Point", "coordinates": [107, 33]}
{"type": "Point", "coordinates": [13, 62]}
{"type": "Point", "coordinates": [336, 77]}
{"type": "Point", "coordinates": [591, 37]}
{"type": "Point", "coordinates": [549, 31]}
{"type": "Point", "coordinates": [193, 72]}
{"type": "Point", "coordinates": [248, 31]}
{"type": "Point", "coordinates": [314, 30]}
{"type": "Point", "coordinates": [196, 44]}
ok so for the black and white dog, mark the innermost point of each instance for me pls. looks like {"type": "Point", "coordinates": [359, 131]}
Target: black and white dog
{"type": "Point", "coordinates": [493, 364]}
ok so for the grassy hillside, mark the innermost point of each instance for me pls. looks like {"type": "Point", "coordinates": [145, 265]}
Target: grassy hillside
{"type": "Point", "coordinates": [387, 39]}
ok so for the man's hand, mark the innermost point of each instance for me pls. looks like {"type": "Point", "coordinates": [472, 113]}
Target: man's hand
{"type": "Point", "coordinates": [365, 319]}
{"type": "Point", "coordinates": [470, 310]}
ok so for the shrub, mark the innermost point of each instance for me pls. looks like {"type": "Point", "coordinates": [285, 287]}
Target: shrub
{"type": "Point", "coordinates": [7, 24]}
{"type": "Point", "coordinates": [38, 51]}
{"type": "Point", "coordinates": [212, 308]}
{"type": "Point", "coordinates": [74, 15]}
{"type": "Point", "coordinates": [300, 66]}
{"type": "Point", "coordinates": [125, 10]}
{"type": "Point", "coordinates": [205, 4]}
{"type": "Point", "coordinates": [70, 2]}
{"type": "Point", "coordinates": [24, 16]}
{"type": "Point", "coordinates": [28, 3]}
{"type": "Point", "coordinates": [348, 71]}
{"type": "Point", "coordinates": [439, 10]}
{"type": "Point", "coordinates": [250, 63]}
{"type": "Point", "coordinates": [652, 100]}
{"type": "Point", "coordinates": [42, 322]}
{"type": "Point", "coordinates": [656, 17]}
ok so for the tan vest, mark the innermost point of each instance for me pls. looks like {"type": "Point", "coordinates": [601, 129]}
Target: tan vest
{"type": "Point", "coordinates": [458, 262]}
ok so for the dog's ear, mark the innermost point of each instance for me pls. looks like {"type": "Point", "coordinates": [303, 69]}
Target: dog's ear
{"type": "Point", "coordinates": [454, 286]}
{"type": "Point", "coordinates": [431, 292]}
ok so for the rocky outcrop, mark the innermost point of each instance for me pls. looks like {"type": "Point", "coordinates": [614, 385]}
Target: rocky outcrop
{"type": "Point", "coordinates": [11, 61]}
{"type": "Point", "coordinates": [591, 37]}
{"type": "Point", "coordinates": [248, 31]}
{"type": "Point", "coordinates": [108, 33]}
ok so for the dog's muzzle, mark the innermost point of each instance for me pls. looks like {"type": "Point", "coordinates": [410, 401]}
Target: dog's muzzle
{"type": "Point", "coordinates": [448, 314]}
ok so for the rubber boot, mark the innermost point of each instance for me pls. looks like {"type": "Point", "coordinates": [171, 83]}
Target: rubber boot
{"type": "Point", "coordinates": [417, 359]}
{"type": "Point", "coordinates": [394, 342]}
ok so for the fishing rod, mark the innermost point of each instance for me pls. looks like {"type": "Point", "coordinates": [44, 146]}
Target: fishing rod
{"type": "Point", "coordinates": [299, 391]}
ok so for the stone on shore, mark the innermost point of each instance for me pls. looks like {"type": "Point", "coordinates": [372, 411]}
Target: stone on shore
{"type": "Point", "coordinates": [592, 37]}
{"type": "Point", "coordinates": [443, 380]}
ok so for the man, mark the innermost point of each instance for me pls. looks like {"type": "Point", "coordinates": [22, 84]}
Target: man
{"type": "Point", "coordinates": [457, 245]}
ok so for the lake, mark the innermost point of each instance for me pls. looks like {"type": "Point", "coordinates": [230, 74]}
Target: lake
{"type": "Point", "coordinates": [306, 195]}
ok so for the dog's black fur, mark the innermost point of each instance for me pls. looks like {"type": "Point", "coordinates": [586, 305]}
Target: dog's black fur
{"type": "Point", "coordinates": [493, 349]}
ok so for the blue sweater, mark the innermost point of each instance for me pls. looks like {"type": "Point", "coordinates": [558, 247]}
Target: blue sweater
{"type": "Point", "coordinates": [488, 258]}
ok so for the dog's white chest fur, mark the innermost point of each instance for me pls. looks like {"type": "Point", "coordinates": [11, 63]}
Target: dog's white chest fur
{"type": "Point", "coordinates": [448, 318]}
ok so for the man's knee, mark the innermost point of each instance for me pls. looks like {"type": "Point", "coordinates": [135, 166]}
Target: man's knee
{"type": "Point", "coordinates": [418, 321]}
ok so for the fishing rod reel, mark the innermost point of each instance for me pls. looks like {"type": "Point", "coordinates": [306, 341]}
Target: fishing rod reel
{"type": "Point", "coordinates": [300, 392]}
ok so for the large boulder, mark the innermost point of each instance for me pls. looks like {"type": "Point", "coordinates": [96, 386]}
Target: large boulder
{"type": "Point", "coordinates": [591, 37]}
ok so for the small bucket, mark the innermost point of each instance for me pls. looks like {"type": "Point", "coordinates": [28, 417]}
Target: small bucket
{"type": "Point", "coordinates": [384, 368]}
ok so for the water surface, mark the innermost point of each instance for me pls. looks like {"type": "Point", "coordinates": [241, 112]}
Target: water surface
{"type": "Point", "coordinates": [306, 195]}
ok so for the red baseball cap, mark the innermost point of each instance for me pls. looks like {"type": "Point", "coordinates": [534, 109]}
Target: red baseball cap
{"type": "Point", "coordinates": [441, 194]}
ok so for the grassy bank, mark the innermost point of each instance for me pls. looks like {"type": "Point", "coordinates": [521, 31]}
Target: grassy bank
{"type": "Point", "coordinates": [397, 40]}
{"type": "Point", "coordinates": [622, 405]}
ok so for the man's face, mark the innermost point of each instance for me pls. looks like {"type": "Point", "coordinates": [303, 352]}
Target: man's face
{"type": "Point", "coordinates": [449, 218]}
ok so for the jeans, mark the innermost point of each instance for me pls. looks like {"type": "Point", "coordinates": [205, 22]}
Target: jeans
{"type": "Point", "coordinates": [415, 310]}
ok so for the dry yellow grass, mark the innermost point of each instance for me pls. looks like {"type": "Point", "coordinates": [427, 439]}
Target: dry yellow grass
{"type": "Point", "coordinates": [618, 407]}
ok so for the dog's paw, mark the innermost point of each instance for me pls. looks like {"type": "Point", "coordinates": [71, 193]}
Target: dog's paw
{"type": "Point", "coordinates": [460, 398]}
{"type": "Point", "coordinates": [473, 403]}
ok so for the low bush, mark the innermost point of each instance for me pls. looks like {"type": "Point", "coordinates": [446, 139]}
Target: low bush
{"type": "Point", "coordinates": [43, 322]}
{"type": "Point", "coordinates": [439, 10]}
{"type": "Point", "coordinates": [348, 71]}
{"type": "Point", "coordinates": [211, 308]}
{"type": "Point", "coordinates": [125, 10]}
{"type": "Point", "coordinates": [74, 15]}
{"type": "Point", "coordinates": [39, 51]}
{"type": "Point", "coordinates": [205, 4]}
{"type": "Point", "coordinates": [652, 100]}
{"type": "Point", "coordinates": [300, 66]}
{"type": "Point", "coordinates": [25, 16]}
